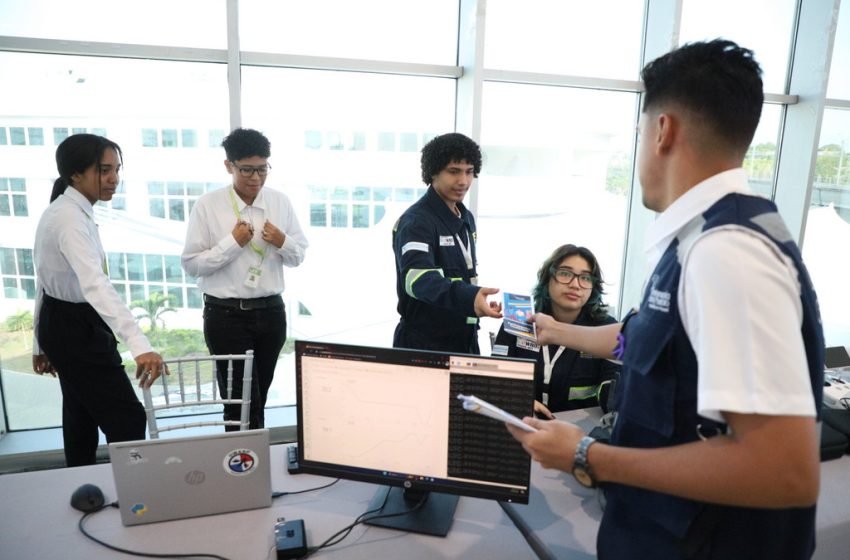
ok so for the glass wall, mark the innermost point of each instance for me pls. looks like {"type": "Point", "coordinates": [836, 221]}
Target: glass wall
{"type": "Point", "coordinates": [348, 93]}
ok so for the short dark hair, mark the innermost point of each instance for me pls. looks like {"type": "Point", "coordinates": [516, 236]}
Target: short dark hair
{"type": "Point", "coordinates": [439, 152]}
{"type": "Point", "coordinates": [717, 81]}
{"type": "Point", "coordinates": [543, 301]}
{"type": "Point", "coordinates": [75, 154]}
{"type": "Point", "coordinates": [243, 143]}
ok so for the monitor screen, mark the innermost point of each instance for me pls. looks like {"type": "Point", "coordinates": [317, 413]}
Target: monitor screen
{"type": "Point", "coordinates": [836, 357]}
{"type": "Point", "coordinates": [391, 416]}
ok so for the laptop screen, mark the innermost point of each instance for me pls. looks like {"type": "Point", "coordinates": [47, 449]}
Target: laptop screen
{"type": "Point", "coordinates": [836, 357]}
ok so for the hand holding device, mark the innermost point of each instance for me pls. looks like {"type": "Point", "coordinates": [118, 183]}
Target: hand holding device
{"type": "Point", "coordinates": [474, 404]}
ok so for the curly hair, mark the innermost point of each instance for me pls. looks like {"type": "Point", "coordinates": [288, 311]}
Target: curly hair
{"type": "Point", "coordinates": [244, 143]}
{"type": "Point", "coordinates": [543, 301]}
{"type": "Point", "coordinates": [443, 150]}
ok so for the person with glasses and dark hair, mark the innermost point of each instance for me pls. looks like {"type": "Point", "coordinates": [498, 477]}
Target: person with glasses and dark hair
{"type": "Point", "coordinates": [77, 310]}
{"type": "Point", "coordinates": [569, 288]}
{"type": "Point", "coordinates": [439, 299]}
{"type": "Point", "coordinates": [238, 240]}
{"type": "Point", "coordinates": [715, 451]}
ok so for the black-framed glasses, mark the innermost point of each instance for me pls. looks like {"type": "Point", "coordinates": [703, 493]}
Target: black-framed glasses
{"type": "Point", "coordinates": [565, 276]}
{"type": "Point", "coordinates": [248, 171]}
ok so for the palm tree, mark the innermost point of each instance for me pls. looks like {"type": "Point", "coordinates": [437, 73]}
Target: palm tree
{"type": "Point", "coordinates": [153, 308]}
{"type": "Point", "coordinates": [21, 322]}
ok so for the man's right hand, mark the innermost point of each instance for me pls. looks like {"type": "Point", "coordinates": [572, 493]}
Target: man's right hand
{"type": "Point", "coordinates": [148, 367]}
{"type": "Point", "coordinates": [41, 365]}
{"type": "Point", "coordinates": [243, 232]}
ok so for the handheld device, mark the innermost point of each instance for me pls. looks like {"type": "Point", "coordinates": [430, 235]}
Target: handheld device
{"type": "Point", "coordinates": [474, 404]}
{"type": "Point", "coordinates": [290, 539]}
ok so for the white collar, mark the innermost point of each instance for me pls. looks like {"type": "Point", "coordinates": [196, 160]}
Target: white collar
{"type": "Point", "coordinates": [80, 200]}
{"type": "Point", "coordinates": [692, 203]}
{"type": "Point", "coordinates": [259, 202]}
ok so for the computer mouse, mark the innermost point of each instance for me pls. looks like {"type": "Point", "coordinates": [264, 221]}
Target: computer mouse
{"type": "Point", "coordinates": [87, 498]}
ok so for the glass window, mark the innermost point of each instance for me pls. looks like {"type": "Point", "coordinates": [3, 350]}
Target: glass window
{"type": "Point", "coordinates": [194, 299]}
{"type": "Point", "coordinates": [312, 139]}
{"type": "Point", "coordinates": [117, 270]}
{"type": "Point", "coordinates": [424, 31]}
{"type": "Point", "coordinates": [573, 38]}
{"type": "Point", "coordinates": [339, 215]}
{"type": "Point", "coordinates": [157, 207]}
{"type": "Point", "coordinates": [36, 135]}
{"type": "Point", "coordinates": [379, 213]}
{"type": "Point", "coordinates": [828, 225]}
{"type": "Point", "coordinates": [173, 269]}
{"type": "Point", "coordinates": [150, 138]}
{"type": "Point", "coordinates": [408, 142]}
{"type": "Point", "coordinates": [176, 294]}
{"type": "Point", "coordinates": [169, 138]}
{"type": "Point", "coordinates": [135, 266]}
{"type": "Point", "coordinates": [137, 292]}
{"type": "Point", "coordinates": [339, 193]}
{"type": "Point", "coordinates": [319, 215]}
{"type": "Point", "coordinates": [16, 133]}
{"type": "Point", "coordinates": [386, 141]}
{"type": "Point", "coordinates": [189, 138]}
{"type": "Point", "coordinates": [25, 266]}
{"type": "Point", "coordinates": [839, 77]}
{"type": "Point", "coordinates": [770, 39]}
{"type": "Point", "coordinates": [760, 161]}
{"type": "Point", "coordinates": [3, 140]}
{"type": "Point", "coordinates": [19, 205]}
{"type": "Point", "coordinates": [189, 23]}
{"type": "Point", "coordinates": [7, 261]}
{"type": "Point", "coordinates": [403, 195]}
{"type": "Point", "coordinates": [360, 216]}
{"type": "Point", "coordinates": [561, 161]}
{"type": "Point", "coordinates": [59, 134]}
{"type": "Point", "coordinates": [360, 193]}
{"type": "Point", "coordinates": [176, 210]}
{"type": "Point", "coordinates": [153, 264]}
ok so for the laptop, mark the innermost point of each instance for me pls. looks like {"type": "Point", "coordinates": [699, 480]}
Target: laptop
{"type": "Point", "coordinates": [176, 478]}
{"type": "Point", "coordinates": [836, 357]}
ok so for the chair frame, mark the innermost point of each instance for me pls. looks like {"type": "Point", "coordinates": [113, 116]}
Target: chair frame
{"type": "Point", "coordinates": [151, 410]}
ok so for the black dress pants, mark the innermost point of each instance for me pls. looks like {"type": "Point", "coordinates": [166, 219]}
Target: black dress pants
{"type": "Point", "coordinates": [230, 330]}
{"type": "Point", "coordinates": [96, 391]}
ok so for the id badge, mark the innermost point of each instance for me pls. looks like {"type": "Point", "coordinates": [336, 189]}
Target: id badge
{"type": "Point", "coordinates": [253, 278]}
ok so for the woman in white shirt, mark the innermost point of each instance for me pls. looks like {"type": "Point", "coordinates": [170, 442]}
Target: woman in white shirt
{"type": "Point", "coordinates": [77, 310]}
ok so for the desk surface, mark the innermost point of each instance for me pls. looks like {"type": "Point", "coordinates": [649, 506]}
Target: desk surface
{"type": "Point", "coordinates": [38, 522]}
{"type": "Point", "coordinates": [562, 517]}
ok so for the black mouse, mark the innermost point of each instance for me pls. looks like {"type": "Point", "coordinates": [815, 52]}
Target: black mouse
{"type": "Point", "coordinates": [87, 498]}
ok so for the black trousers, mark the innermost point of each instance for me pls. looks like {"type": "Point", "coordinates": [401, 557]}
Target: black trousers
{"type": "Point", "coordinates": [230, 330]}
{"type": "Point", "coordinates": [96, 391]}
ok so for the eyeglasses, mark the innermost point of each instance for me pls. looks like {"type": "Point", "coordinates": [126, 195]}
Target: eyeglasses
{"type": "Point", "coordinates": [248, 171]}
{"type": "Point", "coordinates": [565, 276]}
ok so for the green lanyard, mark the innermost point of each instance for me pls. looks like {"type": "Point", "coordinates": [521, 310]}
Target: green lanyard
{"type": "Point", "coordinates": [254, 247]}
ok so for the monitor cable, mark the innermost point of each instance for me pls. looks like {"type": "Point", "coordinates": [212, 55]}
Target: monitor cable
{"type": "Point", "coordinates": [340, 535]}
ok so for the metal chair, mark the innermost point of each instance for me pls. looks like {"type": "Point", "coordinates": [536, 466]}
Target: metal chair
{"type": "Point", "coordinates": [185, 389]}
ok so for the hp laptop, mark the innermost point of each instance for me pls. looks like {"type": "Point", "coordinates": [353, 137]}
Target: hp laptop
{"type": "Point", "coordinates": [162, 479]}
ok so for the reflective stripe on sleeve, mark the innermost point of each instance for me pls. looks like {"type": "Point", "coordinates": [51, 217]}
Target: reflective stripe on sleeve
{"type": "Point", "coordinates": [414, 246]}
{"type": "Point", "coordinates": [580, 393]}
{"type": "Point", "coordinates": [414, 274]}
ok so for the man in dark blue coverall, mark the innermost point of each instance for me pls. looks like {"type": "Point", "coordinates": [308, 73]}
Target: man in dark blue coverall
{"type": "Point", "coordinates": [434, 244]}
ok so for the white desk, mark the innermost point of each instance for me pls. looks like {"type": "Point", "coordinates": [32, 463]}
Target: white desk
{"type": "Point", "coordinates": [562, 517]}
{"type": "Point", "coordinates": [38, 522]}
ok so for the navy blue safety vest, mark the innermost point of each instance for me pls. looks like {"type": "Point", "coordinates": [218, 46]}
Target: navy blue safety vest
{"type": "Point", "coordinates": [657, 408]}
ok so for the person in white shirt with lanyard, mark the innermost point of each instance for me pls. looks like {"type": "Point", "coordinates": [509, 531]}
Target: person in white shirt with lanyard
{"type": "Point", "coordinates": [77, 310]}
{"type": "Point", "coordinates": [239, 239]}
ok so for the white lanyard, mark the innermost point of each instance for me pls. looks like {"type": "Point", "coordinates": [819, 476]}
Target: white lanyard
{"type": "Point", "coordinates": [466, 249]}
{"type": "Point", "coordinates": [548, 366]}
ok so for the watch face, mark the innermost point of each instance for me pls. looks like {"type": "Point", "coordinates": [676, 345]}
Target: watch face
{"type": "Point", "coordinates": [583, 477]}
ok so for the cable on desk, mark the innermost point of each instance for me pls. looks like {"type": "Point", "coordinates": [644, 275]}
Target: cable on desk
{"type": "Point", "coordinates": [280, 494]}
{"type": "Point", "coordinates": [81, 525]}
{"type": "Point", "coordinates": [362, 518]}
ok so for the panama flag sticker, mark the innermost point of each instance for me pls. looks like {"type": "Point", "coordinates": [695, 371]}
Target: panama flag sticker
{"type": "Point", "coordinates": [240, 461]}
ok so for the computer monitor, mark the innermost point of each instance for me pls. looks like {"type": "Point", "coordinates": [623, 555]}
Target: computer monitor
{"type": "Point", "coordinates": [391, 416]}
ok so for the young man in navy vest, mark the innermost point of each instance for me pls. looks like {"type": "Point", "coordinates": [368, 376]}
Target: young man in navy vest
{"type": "Point", "coordinates": [715, 450]}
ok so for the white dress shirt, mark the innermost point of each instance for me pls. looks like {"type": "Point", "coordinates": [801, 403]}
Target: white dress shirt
{"type": "Point", "coordinates": [70, 266]}
{"type": "Point", "coordinates": [739, 301]}
{"type": "Point", "coordinates": [213, 256]}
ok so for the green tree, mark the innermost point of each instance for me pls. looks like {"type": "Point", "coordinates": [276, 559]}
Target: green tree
{"type": "Point", "coordinates": [20, 322]}
{"type": "Point", "coordinates": [153, 309]}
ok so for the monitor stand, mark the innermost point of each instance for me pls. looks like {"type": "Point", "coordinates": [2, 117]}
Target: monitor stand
{"type": "Point", "coordinates": [434, 517]}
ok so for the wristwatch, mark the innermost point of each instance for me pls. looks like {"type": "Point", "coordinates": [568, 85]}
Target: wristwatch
{"type": "Point", "coordinates": [581, 470]}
